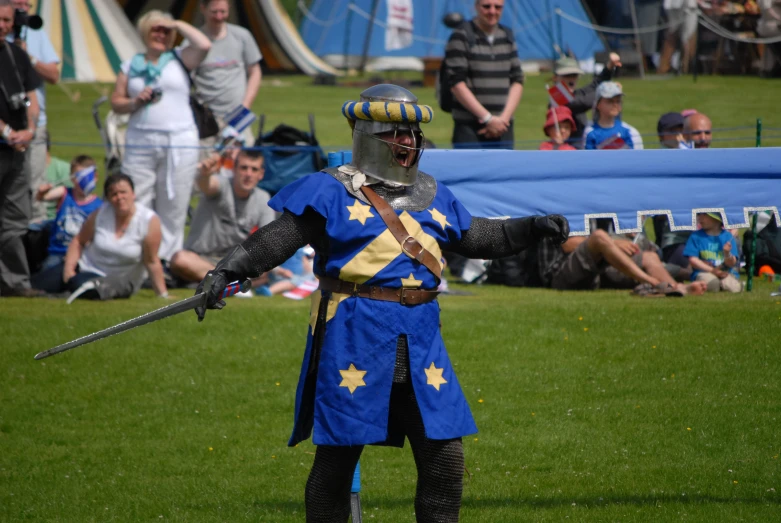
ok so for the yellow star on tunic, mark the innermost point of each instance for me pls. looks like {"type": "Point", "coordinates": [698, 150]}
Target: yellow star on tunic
{"type": "Point", "coordinates": [411, 282]}
{"type": "Point", "coordinates": [352, 378]}
{"type": "Point", "coordinates": [359, 212]}
{"type": "Point", "coordinates": [434, 376]}
{"type": "Point", "coordinates": [440, 218]}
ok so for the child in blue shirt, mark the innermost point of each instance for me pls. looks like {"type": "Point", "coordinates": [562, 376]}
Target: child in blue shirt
{"type": "Point", "coordinates": [608, 131]}
{"type": "Point", "coordinates": [710, 252]}
{"type": "Point", "coordinates": [75, 204]}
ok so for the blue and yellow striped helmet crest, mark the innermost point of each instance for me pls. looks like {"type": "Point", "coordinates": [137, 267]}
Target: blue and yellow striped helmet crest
{"type": "Point", "coordinates": [387, 112]}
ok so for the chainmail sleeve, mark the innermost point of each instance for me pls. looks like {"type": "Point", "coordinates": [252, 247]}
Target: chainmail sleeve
{"type": "Point", "coordinates": [273, 244]}
{"type": "Point", "coordinates": [485, 239]}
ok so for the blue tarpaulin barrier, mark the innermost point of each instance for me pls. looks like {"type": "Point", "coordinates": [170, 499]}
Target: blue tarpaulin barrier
{"type": "Point", "coordinates": [622, 185]}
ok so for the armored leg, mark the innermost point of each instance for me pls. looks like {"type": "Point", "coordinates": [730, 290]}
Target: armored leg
{"type": "Point", "coordinates": [327, 495]}
{"type": "Point", "coordinates": [440, 465]}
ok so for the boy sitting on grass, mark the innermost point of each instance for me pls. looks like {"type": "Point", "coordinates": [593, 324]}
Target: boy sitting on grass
{"type": "Point", "coordinates": [75, 204]}
{"type": "Point", "coordinates": [608, 131]}
{"type": "Point", "coordinates": [559, 124]}
{"type": "Point", "coordinates": [710, 252]}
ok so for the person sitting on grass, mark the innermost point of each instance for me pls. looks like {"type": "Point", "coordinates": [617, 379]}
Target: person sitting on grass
{"type": "Point", "coordinates": [295, 271]}
{"type": "Point", "coordinates": [58, 173]}
{"type": "Point", "coordinates": [559, 124]}
{"type": "Point", "coordinates": [74, 205]}
{"type": "Point", "coordinates": [110, 256]}
{"type": "Point", "coordinates": [710, 252]}
{"type": "Point", "coordinates": [608, 131]}
{"type": "Point", "coordinates": [230, 209]}
{"type": "Point", "coordinates": [600, 261]}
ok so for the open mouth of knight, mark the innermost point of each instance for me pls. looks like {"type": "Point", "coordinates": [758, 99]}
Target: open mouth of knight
{"type": "Point", "coordinates": [404, 156]}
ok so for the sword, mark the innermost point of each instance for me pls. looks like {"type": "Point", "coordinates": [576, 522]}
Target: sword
{"type": "Point", "coordinates": [188, 304]}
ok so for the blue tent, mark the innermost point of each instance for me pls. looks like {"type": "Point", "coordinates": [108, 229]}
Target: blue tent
{"type": "Point", "coordinates": [339, 27]}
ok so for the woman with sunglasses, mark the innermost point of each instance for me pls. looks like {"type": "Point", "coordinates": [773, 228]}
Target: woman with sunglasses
{"type": "Point", "coordinates": [162, 139]}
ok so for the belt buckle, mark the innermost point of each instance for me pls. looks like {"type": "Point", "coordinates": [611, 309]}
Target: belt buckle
{"type": "Point", "coordinates": [402, 293]}
{"type": "Point", "coordinates": [408, 252]}
{"type": "Point", "coordinates": [355, 293]}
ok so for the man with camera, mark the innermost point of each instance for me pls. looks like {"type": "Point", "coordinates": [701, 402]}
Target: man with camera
{"type": "Point", "coordinates": [28, 35]}
{"type": "Point", "coordinates": [18, 116]}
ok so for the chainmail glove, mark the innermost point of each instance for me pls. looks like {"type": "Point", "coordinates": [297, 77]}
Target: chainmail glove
{"type": "Point", "coordinates": [523, 233]}
{"type": "Point", "coordinates": [237, 265]}
{"type": "Point", "coordinates": [553, 226]}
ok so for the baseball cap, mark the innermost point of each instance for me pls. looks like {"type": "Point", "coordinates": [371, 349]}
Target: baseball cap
{"type": "Point", "coordinates": [609, 90]}
{"type": "Point", "coordinates": [562, 114]}
{"type": "Point", "coordinates": [716, 216]}
{"type": "Point", "coordinates": [668, 121]}
{"type": "Point", "coordinates": [565, 66]}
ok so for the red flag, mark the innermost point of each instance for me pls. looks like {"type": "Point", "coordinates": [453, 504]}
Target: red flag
{"type": "Point", "coordinates": [560, 94]}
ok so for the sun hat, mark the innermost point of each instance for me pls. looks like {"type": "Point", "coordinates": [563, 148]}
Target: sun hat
{"type": "Point", "coordinates": [566, 66]}
{"type": "Point", "coordinates": [562, 113]}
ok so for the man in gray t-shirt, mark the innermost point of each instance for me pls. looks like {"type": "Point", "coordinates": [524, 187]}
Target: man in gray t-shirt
{"type": "Point", "coordinates": [231, 208]}
{"type": "Point", "coordinates": [230, 74]}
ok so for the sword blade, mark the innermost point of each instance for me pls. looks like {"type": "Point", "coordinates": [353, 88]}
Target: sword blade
{"type": "Point", "coordinates": [163, 312]}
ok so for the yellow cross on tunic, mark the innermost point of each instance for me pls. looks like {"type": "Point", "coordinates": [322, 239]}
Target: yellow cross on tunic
{"type": "Point", "coordinates": [438, 217]}
{"type": "Point", "coordinates": [434, 376]}
{"type": "Point", "coordinates": [359, 212]}
{"type": "Point", "coordinates": [352, 378]}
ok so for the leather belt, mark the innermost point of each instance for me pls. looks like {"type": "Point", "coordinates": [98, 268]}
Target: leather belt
{"type": "Point", "coordinates": [398, 295]}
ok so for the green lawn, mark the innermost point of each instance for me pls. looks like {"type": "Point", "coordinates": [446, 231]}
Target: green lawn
{"type": "Point", "coordinates": [591, 406]}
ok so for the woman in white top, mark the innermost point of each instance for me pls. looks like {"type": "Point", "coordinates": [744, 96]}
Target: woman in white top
{"type": "Point", "coordinates": [162, 140]}
{"type": "Point", "coordinates": [116, 247]}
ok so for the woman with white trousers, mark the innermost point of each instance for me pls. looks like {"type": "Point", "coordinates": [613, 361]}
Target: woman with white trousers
{"type": "Point", "coordinates": [161, 154]}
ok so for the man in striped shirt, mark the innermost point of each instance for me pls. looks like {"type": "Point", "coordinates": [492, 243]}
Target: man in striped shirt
{"type": "Point", "coordinates": [486, 79]}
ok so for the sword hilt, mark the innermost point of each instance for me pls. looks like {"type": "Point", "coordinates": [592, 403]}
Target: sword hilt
{"type": "Point", "coordinates": [236, 287]}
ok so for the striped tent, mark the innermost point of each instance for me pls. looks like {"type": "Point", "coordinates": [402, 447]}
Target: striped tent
{"type": "Point", "coordinates": [91, 37]}
{"type": "Point", "coordinates": [277, 37]}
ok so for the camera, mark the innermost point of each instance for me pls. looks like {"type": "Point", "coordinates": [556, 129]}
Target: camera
{"type": "Point", "coordinates": [157, 93]}
{"type": "Point", "coordinates": [22, 18]}
{"type": "Point", "coordinates": [18, 101]}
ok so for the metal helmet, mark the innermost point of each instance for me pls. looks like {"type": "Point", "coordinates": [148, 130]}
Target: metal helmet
{"type": "Point", "coordinates": [376, 151]}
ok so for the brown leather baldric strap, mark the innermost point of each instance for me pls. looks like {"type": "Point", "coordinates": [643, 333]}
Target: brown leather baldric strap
{"type": "Point", "coordinates": [398, 295]}
{"type": "Point", "coordinates": [409, 245]}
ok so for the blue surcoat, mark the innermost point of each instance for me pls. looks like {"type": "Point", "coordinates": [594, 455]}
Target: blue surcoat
{"type": "Point", "coordinates": [343, 394]}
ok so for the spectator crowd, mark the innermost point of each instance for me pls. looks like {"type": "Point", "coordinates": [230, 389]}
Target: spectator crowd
{"type": "Point", "coordinates": [486, 81]}
{"type": "Point", "coordinates": [67, 240]}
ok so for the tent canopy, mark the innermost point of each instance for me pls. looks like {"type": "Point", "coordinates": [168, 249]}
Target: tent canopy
{"type": "Point", "coordinates": [276, 35]}
{"type": "Point", "coordinates": [91, 37]}
{"type": "Point", "coordinates": [339, 27]}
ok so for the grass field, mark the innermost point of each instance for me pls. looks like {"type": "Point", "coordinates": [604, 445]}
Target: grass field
{"type": "Point", "coordinates": [591, 406]}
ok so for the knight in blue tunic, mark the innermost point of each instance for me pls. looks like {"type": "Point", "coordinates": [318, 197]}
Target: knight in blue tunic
{"type": "Point", "coordinates": [375, 369]}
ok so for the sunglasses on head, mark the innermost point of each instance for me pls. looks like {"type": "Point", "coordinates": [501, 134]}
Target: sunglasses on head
{"type": "Point", "coordinates": [498, 7]}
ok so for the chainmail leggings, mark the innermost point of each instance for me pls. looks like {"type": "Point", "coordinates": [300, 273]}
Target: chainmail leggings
{"type": "Point", "coordinates": [440, 465]}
